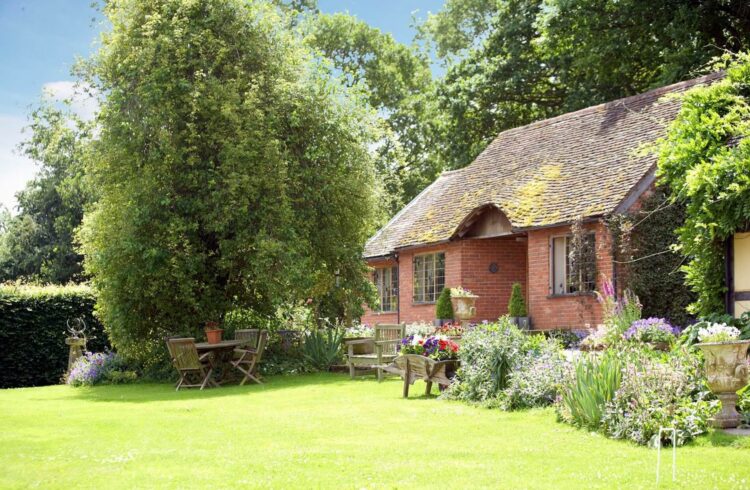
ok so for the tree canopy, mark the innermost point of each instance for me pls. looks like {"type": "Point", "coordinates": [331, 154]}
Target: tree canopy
{"type": "Point", "coordinates": [232, 173]}
{"type": "Point", "coordinates": [38, 242]}
{"type": "Point", "coordinates": [512, 62]}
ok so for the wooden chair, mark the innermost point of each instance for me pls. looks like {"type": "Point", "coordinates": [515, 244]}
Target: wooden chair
{"type": "Point", "coordinates": [248, 336]}
{"type": "Point", "coordinates": [249, 355]}
{"type": "Point", "coordinates": [189, 364]}
{"type": "Point", "coordinates": [384, 349]}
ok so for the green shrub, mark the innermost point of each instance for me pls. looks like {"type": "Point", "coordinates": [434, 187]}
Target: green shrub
{"type": "Point", "coordinates": [444, 307]}
{"type": "Point", "coordinates": [593, 385]}
{"type": "Point", "coordinates": [660, 391]}
{"type": "Point", "coordinates": [516, 305]}
{"type": "Point", "coordinates": [488, 354]}
{"type": "Point", "coordinates": [538, 379]}
{"type": "Point", "coordinates": [322, 348]}
{"type": "Point", "coordinates": [33, 330]}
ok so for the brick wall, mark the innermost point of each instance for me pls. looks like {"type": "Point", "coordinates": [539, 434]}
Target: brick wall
{"type": "Point", "coordinates": [493, 289]}
{"type": "Point", "coordinates": [466, 264]}
{"type": "Point", "coordinates": [549, 312]}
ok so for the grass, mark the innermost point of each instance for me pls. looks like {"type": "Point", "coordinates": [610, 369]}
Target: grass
{"type": "Point", "coordinates": [321, 431]}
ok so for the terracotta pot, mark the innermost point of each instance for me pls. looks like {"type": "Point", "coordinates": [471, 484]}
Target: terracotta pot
{"type": "Point", "coordinates": [463, 307]}
{"type": "Point", "coordinates": [214, 336]}
{"type": "Point", "coordinates": [727, 372]}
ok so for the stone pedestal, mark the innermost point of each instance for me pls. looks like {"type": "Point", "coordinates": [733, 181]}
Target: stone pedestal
{"type": "Point", "coordinates": [77, 346]}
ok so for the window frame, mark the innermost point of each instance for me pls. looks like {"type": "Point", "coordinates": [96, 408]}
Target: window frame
{"type": "Point", "coordinates": [566, 273]}
{"type": "Point", "coordinates": [378, 277]}
{"type": "Point", "coordinates": [420, 283]}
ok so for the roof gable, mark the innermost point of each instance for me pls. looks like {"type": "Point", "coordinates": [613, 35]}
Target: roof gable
{"type": "Point", "coordinates": [583, 163]}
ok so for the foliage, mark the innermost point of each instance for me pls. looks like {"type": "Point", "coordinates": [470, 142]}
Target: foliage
{"type": "Point", "coordinates": [419, 328]}
{"type": "Point", "coordinates": [444, 307]}
{"type": "Point", "coordinates": [658, 393]}
{"type": "Point", "coordinates": [397, 81]}
{"type": "Point", "coordinates": [489, 354]}
{"type": "Point", "coordinates": [37, 244]}
{"type": "Point", "coordinates": [647, 263]}
{"type": "Point", "coordinates": [595, 381]}
{"type": "Point", "coordinates": [619, 312]}
{"type": "Point", "coordinates": [322, 347]}
{"type": "Point", "coordinates": [513, 62]}
{"type": "Point", "coordinates": [438, 347]}
{"type": "Point", "coordinates": [651, 330]}
{"type": "Point", "coordinates": [460, 292]}
{"type": "Point", "coordinates": [359, 330]}
{"type": "Point", "coordinates": [100, 367]}
{"type": "Point", "coordinates": [226, 165]}
{"type": "Point", "coordinates": [516, 305]}
{"type": "Point", "coordinates": [704, 160]}
{"type": "Point", "coordinates": [567, 338]}
{"type": "Point", "coordinates": [538, 380]}
{"type": "Point", "coordinates": [33, 330]}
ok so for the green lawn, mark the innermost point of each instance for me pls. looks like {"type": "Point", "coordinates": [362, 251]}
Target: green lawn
{"type": "Point", "coordinates": [320, 431]}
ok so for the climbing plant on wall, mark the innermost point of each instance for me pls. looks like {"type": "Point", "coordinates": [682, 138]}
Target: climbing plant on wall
{"type": "Point", "coordinates": [704, 160]}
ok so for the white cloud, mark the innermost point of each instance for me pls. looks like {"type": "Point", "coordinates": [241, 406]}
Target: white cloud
{"type": "Point", "coordinates": [15, 169]}
{"type": "Point", "coordinates": [82, 97]}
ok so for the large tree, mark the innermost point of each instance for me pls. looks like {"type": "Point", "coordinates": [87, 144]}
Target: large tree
{"type": "Point", "coordinates": [397, 81]}
{"type": "Point", "coordinates": [38, 242]}
{"type": "Point", "coordinates": [510, 62]}
{"type": "Point", "coordinates": [231, 172]}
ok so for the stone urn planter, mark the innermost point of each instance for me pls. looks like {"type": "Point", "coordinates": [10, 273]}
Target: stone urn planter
{"type": "Point", "coordinates": [463, 307]}
{"type": "Point", "coordinates": [727, 371]}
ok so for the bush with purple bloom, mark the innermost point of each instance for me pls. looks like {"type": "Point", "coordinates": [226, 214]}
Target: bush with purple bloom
{"type": "Point", "coordinates": [94, 368]}
{"type": "Point", "coordinates": [652, 330]}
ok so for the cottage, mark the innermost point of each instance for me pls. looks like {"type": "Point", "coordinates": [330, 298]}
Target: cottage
{"type": "Point", "coordinates": [507, 217]}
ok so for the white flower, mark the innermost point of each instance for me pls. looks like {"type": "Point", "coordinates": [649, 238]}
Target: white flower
{"type": "Point", "coordinates": [718, 332]}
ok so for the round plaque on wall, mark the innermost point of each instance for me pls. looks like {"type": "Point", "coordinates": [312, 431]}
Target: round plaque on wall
{"type": "Point", "coordinates": [493, 267]}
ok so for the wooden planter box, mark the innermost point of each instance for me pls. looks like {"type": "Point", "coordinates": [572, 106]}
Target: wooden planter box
{"type": "Point", "coordinates": [412, 367]}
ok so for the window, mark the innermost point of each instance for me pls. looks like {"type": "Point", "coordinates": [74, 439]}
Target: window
{"type": "Point", "coordinates": [386, 280]}
{"type": "Point", "coordinates": [429, 277]}
{"type": "Point", "coordinates": [573, 271]}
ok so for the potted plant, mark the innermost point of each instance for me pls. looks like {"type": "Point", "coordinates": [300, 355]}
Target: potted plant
{"type": "Point", "coordinates": [656, 332]}
{"type": "Point", "coordinates": [517, 308]}
{"type": "Point", "coordinates": [213, 332]}
{"type": "Point", "coordinates": [463, 301]}
{"type": "Point", "coordinates": [443, 308]}
{"type": "Point", "coordinates": [726, 368]}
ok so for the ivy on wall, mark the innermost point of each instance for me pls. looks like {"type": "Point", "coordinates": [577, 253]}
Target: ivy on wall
{"type": "Point", "coordinates": [704, 161]}
{"type": "Point", "coordinates": [647, 263]}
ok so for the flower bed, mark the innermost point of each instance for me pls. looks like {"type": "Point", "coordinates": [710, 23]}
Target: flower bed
{"type": "Point", "coordinates": [438, 347]}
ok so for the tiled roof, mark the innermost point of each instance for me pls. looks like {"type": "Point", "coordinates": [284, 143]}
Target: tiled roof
{"type": "Point", "coordinates": [583, 163]}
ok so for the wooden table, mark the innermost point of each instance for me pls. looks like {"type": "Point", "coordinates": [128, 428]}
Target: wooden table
{"type": "Point", "coordinates": [221, 356]}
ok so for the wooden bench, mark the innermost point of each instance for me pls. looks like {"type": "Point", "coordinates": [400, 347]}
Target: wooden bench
{"type": "Point", "coordinates": [377, 351]}
{"type": "Point", "coordinates": [412, 367]}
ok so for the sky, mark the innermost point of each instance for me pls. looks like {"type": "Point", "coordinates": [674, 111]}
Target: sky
{"type": "Point", "coordinates": [41, 39]}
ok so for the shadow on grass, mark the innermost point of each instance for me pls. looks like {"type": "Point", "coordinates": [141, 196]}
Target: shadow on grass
{"type": "Point", "coordinates": [718, 438]}
{"type": "Point", "coordinates": [152, 392]}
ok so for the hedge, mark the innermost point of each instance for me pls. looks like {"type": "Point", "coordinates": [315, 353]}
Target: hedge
{"type": "Point", "coordinates": [33, 330]}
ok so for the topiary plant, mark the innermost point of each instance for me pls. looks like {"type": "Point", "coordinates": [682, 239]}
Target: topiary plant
{"type": "Point", "coordinates": [444, 307]}
{"type": "Point", "coordinates": [516, 305]}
